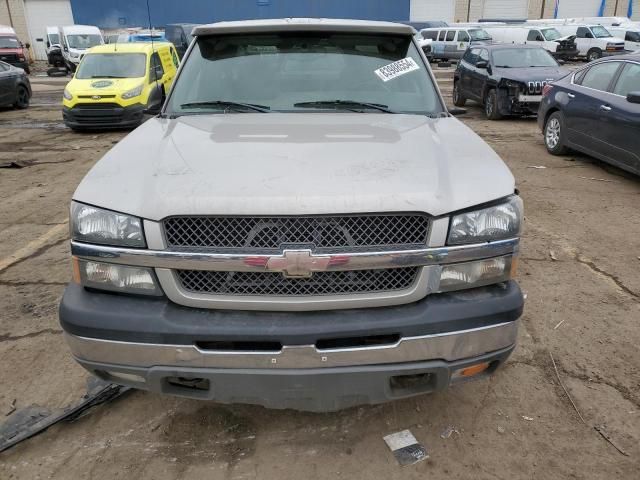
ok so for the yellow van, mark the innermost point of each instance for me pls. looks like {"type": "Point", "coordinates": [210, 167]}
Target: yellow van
{"type": "Point", "coordinates": [115, 83]}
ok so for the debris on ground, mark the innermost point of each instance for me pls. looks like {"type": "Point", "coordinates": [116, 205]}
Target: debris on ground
{"type": "Point", "coordinates": [555, 368]}
{"type": "Point", "coordinates": [528, 419]}
{"type": "Point", "coordinates": [559, 323]}
{"type": "Point", "coordinates": [30, 421]}
{"type": "Point", "coordinates": [537, 167]}
{"type": "Point", "coordinates": [552, 254]}
{"type": "Point", "coordinates": [11, 409]}
{"type": "Point", "coordinates": [450, 430]}
{"type": "Point", "coordinates": [406, 448]}
{"type": "Point", "coordinates": [601, 430]}
{"type": "Point", "coordinates": [501, 429]}
{"type": "Point", "coordinates": [600, 179]}
{"type": "Point", "coordinates": [15, 164]}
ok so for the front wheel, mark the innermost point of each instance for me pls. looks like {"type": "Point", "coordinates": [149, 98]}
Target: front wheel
{"type": "Point", "coordinates": [458, 99]}
{"type": "Point", "coordinates": [554, 134]}
{"type": "Point", "coordinates": [491, 109]}
{"type": "Point", "coordinates": [594, 54]}
{"type": "Point", "coordinates": [22, 98]}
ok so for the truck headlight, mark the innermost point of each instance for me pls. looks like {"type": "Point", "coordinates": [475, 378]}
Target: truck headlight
{"type": "Point", "coordinates": [96, 225]}
{"type": "Point", "coordinates": [479, 273]}
{"type": "Point", "coordinates": [67, 94]}
{"type": "Point", "coordinates": [74, 55]}
{"type": "Point", "coordinates": [497, 222]}
{"type": "Point", "coordinates": [134, 92]}
{"type": "Point", "coordinates": [117, 278]}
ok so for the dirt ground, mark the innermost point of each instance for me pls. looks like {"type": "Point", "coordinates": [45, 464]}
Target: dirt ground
{"type": "Point", "coordinates": [579, 267]}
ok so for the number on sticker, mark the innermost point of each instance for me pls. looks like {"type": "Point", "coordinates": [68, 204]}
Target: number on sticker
{"type": "Point", "coordinates": [396, 69]}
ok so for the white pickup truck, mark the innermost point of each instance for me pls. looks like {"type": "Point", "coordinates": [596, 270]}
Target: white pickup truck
{"type": "Point", "coordinates": [303, 225]}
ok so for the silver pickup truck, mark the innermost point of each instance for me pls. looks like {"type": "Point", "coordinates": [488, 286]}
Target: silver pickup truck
{"type": "Point", "coordinates": [303, 225]}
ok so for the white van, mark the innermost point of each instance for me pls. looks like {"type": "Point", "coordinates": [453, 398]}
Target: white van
{"type": "Point", "coordinates": [76, 40]}
{"type": "Point", "coordinates": [593, 41]}
{"type": "Point", "coordinates": [450, 43]}
{"type": "Point", "coordinates": [563, 47]}
{"type": "Point", "coordinates": [631, 36]}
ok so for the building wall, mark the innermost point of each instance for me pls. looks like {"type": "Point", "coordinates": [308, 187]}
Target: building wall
{"type": "Point", "coordinates": [17, 19]}
{"type": "Point", "coordinates": [130, 13]}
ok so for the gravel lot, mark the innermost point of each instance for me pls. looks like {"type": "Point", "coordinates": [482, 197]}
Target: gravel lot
{"type": "Point", "coordinates": [579, 266]}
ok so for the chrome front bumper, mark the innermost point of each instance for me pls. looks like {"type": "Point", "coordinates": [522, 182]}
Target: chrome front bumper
{"type": "Point", "coordinates": [451, 346]}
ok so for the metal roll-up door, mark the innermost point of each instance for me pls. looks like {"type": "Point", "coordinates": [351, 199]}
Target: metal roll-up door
{"type": "Point", "coordinates": [578, 8]}
{"type": "Point", "coordinates": [422, 10]}
{"type": "Point", "coordinates": [43, 13]}
{"type": "Point", "coordinates": [505, 9]}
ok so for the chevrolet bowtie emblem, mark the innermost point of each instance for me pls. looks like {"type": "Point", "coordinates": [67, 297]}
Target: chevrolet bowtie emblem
{"type": "Point", "coordinates": [298, 263]}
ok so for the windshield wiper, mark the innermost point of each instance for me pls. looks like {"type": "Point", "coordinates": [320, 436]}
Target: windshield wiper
{"type": "Point", "coordinates": [227, 105]}
{"type": "Point", "coordinates": [348, 104]}
{"type": "Point", "coordinates": [105, 76]}
{"type": "Point", "coordinates": [503, 66]}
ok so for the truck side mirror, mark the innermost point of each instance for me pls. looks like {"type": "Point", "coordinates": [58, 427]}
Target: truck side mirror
{"type": "Point", "coordinates": [482, 65]}
{"type": "Point", "coordinates": [633, 97]}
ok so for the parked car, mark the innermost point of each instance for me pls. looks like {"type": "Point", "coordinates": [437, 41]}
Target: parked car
{"type": "Point", "coordinates": [136, 36]}
{"type": "Point", "coordinates": [12, 51]}
{"type": "Point", "coordinates": [631, 36]}
{"type": "Point", "coordinates": [180, 35]}
{"type": "Point", "coordinates": [450, 43]}
{"type": "Point", "coordinates": [593, 41]}
{"type": "Point", "coordinates": [114, 84]}
{"type": "Point", "coordinates": [596, 111]}
{"type": "Point", "coordinates": [15, 88]}
{"type": "Point", "coordinates": [424, 45]}
{"type": "Point", "coordinates": [75, 41]}
{"type": "Point", "coordinates": [548, 38]}
{"type": "Point", "coordinates": [274, 239]}
{"type": "Point", "coordinates": [506, 79]}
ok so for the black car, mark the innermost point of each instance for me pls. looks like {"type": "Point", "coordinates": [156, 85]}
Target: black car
{"type": "Point", "coordinates": [506, 79]}
{"type": "Point", "coordinates": [15, 88]}
{"type": "Point", "coordinates": [180, 35]}
{"type": "Point", "coordinates": [596, 111]}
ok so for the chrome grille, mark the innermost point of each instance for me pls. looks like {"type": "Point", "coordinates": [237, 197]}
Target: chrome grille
{"type": "Point", "coordinates": [275, 284]}
{"type": "Point", "coordinates": [328, 233]}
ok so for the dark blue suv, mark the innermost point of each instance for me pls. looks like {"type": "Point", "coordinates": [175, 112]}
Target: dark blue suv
{"type": "Point", "coordinates": [596, 111]}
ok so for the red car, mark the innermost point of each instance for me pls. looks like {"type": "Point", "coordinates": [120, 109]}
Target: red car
{"type": "Point", "coordinates": [12, 51]}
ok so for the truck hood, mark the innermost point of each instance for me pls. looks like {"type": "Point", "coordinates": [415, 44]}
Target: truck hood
{"type": "Point", "coordinates": [532, 74]}
{"type": "Point", "coordinates": [294, 164]}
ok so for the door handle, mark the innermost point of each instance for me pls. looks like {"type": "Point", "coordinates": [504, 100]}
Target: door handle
{"type": "Point", "coordinates": [605, 108]}
{"type": "Point", "coordinates": [571, 95]}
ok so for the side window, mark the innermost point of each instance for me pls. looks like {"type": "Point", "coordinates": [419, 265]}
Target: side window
{"type": "Point", "coordinates": [534, 36]}
{"type": "Point", "coordinates": [441, 36]}
{"type": "Point", "coordinates": [583, 32]}
{"type": "Point", "coordinates": [451, 34]}
{"type": "Point", "coordinates": [463, 36]}
{"type": "Point", "coordinates": [3, 67]}
{"type": "Point", "coordinates": [174, 57]}
{"type": "Point", "coordinates": [629, 80]}
{"type": "Point", "coordinates": [156, 72]}
{"type": "Point", "coordinates": [483, 56]}
{"type": "Point", "coordinates": [599, 76]}
{"type": "Point", "coordinates": [430, 35]}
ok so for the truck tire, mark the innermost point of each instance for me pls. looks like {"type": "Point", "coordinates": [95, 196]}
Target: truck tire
{"type": "Point", "coordinates": [554, 134]}
{"type": "Point", "coordinates": [22, 98]}
{"type": "Point", "coordinates": [491, 110]}
{"type": "Point", "coordinates": [458, 99]}
{"type": "Point", "coordinates": [594, 54]}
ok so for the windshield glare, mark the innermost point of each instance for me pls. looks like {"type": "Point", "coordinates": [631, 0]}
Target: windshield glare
{"type": "Point", "coordinates": [280, 71]}
{"type": "Point", "coordinates": [9, 42]}
{"type": "Point", "coordinates": [523, 57]}
{"type": "Point", "coordinates": [478, 35]}
{"type": "Point", "coordinates": [112, 65]}
{"type": "Point", "coordinates": [600, 32]}
{"type": "Point", "coordinates": [551, 34]}
{"type": "Point", "coordinates": [81, 42]}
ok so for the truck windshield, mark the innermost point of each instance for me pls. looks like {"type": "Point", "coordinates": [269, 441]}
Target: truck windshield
{"type": "Point", "coordinates": [600, 32]}
{"type": "Point", "coordinates": [551, 34]}
{"type": "Point", "coordinates": [9, 42]}
{"type": "Point", "coordinates": [83, 41]}
{"type": "Point", "coordinates": [302, 72]}
{"type": "Point", "coordinates": [479, 35]}
{"type": "Point", "coordinates": [523, 58]}
{"type": "Point", "coordinates": [54, 39]}
{"type": "Point", "coordinates": [112, 65]}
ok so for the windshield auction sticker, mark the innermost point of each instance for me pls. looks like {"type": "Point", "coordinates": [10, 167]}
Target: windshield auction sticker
{"type": "Point", "coordinates": [396, 69]}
